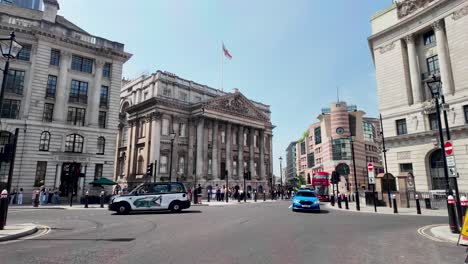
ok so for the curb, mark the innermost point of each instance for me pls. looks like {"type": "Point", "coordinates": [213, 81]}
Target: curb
{"type": "Point", "coordinates": [37, 208]}
{"type": "Point", "coordinates": [379, 213]}
{"type": "Point", "coordinates": [27, 232]}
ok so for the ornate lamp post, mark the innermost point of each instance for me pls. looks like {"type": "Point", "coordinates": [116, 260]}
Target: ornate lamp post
{"type": "Point", "coordinates": [356, 189]}
{"type": "Point", "coordinates": [281, 177]}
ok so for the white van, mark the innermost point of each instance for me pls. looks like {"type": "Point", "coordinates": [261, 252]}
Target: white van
{"type": "Point", "coordinates": [152, 196]}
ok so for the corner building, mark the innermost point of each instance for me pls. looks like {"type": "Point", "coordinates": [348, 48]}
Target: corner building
{"type": "Point", "coordinates": [326, 146]}
{"type": "Point", "coordinates": [213, 132]}
{"type": "Point", "coordinates": [410, 42]}
{"type": "Point", "coordinates": [62, 92]}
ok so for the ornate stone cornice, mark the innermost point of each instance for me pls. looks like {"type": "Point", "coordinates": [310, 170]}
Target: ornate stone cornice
{"type": "Point", "coordinates": [407, 7]}
{"type": "Point", "coordinates": [437, 25]}
{"type": "Point", "coordinates": [410, 39]}
{"type": "Point", "coordinates": [460, 13]}
{"type": "Point", "coordinates": [386, 48]}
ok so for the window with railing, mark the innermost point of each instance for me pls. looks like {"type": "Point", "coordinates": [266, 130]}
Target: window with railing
{"type": "Point", "coordinates": [82, 64]}
{"type": "Point", "coordinates": [25, 53]}
{"type": "Point", "coordinates": [76, 116]}
{"type": "Point", "coordinates": [48, 113]}
{"type": "Point", "coordinates": [15, 81]}
{"type": "Point", "coordinates": [78, 92]}
{"type": "Point", "coordinates": [51, 86]}
{"type": "Point", "coordinates": [55, 57]}
{"type": "Point", "coordinates": [10, 108]}
{"type": "Point", "coordinates": [104, 99]}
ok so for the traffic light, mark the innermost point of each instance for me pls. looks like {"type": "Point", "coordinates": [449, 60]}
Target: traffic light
{"type": "Point", "coordinates": [149, 170]}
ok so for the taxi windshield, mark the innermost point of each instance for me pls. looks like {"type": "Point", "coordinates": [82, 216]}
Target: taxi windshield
{"type": "Point", "coordinates": [306, 194]}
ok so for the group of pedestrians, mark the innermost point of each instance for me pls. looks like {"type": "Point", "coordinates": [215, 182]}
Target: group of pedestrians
{"type": "Point", "coordinates": [16, 197]}
{"type": "Point", "coordinates": [44, 196]}
{"type": "Point", "coordinates": [220, 193]}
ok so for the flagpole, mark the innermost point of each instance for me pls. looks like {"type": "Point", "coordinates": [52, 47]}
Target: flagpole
{"type": "Point", "coordinates": [222, 67]}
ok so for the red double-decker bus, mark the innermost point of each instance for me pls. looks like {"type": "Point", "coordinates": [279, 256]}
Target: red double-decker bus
{"type": "Point", "coordinates": [320, 183]}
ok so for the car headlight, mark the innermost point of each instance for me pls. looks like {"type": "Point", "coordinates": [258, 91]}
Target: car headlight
{"type": "Point", "coordinates": [296, 201]}
{"type": "Point", "coordinates": [317, 202]}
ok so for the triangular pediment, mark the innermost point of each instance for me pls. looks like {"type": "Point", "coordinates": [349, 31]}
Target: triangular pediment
{"type": "Point", "coordinates": [237, 104]}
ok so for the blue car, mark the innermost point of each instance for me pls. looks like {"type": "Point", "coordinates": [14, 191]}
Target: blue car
{"type": "Point", "coordinates": [305, 200]}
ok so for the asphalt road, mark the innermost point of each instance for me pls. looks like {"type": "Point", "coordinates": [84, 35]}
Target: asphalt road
{"type": "Point", "coordinates": [259, 233]}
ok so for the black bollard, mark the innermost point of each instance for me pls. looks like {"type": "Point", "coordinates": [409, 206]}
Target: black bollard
{"type": "Point", "coordinates": [464, 205]}
{"type": "Point", "coordinates": [36, 199]}
{"type": "Point", "coordinates": [102, 199]}
{"type": "Point", "coordinates": [346, 202]}
{"type": "Point", "coordinates": [332, 200]}
{"type": "Point", "coordinates": [264, 196]}
{"type": "Point", "coordinates": [209, 196]}
{"type": "Point", "coordinates": [395, 208]}
{"type": "Point", "coordinates": [452, 217]}
{"type": "Point", "coordinates": [3, 208]}
{"type": "Point", "coordinates": [86, 199]}
{"type": "Point", "coordinates": [255, 196]}
{"type": "Point", "coordinates": [418, 205]}
{"type": "Point", "coordinates": [339, 201]}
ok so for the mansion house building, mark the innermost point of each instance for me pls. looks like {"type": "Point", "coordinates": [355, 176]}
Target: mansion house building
{"type": "Point", "coordinates": [411, 41]}
{"type": "Point", "coordinates": [62, 92]}
{"type": "Point", "coordinates": [193, 134]}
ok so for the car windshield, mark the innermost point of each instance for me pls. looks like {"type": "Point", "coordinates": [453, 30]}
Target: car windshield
{"type": "Point", "coordinates": [306, 194]}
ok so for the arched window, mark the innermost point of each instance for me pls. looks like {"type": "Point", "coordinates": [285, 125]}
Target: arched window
{"type": "Point", "coordinates": [74, 143]}
{"type": "Point", "coordinates": [44, 142]}
{"type": "Point", "coordinates": [101, 145]}
{"type": "Point", "coordinates": [140, 165]}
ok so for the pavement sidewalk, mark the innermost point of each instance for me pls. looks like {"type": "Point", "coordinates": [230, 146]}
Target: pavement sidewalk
{"type": "Point", "coordinates": [232, 202]}
{"type": "Point", "coordinates": [388, 210]}
{"type": "Point", "coordinates": [11, 232]}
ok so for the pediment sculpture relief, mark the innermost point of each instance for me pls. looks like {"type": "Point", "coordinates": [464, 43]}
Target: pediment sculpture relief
{"type": "Point", "coordinates": [407, 7]}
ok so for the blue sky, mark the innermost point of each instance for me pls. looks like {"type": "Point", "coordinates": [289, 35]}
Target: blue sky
{"type": "Point", "coordinates": [289, 54]}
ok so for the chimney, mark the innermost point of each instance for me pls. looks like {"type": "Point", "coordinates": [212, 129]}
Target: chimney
{"type": "Point", "coordinates": [50, 10]}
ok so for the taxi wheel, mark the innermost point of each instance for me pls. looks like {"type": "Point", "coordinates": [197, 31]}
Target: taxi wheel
{"type": "Point", "coordinates": [175, 207]}
{"type": "Point", "coordinates": [123, 208]}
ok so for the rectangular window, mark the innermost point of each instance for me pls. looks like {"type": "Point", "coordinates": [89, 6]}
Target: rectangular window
{"type": "Point", "coordinates": [465, 111]}
{"type": "Point", "coordinates": [234, 168]}
{"type": "Point", "coordinates": [433, 65]}
{"type": "Point", "coordinates": [318, 135]}
{"type": "Point", "coordinates": [303, 148]}
{"type": "Point", "coordinates": [15, 81]}
{"type": "Point", "coordinates": [310, 160]}
{"type": "Point", "coordinates": [163, 164]}
{"type": "Point", "coordinates": [401, 127]}
{"type": "Point", "coordinates": [41, 169]}
{"type": "Point", "coordinates": [78, 92]}
{"type": "Point", "coordinates": [429, 38]}
{"type": "Point", "coordinates": [48, 113]}
{"type": "Point", "coordinates": [51, 86]}
{"type": "Point", "coordinates": [210, 167]}
{"type": "Point", "coordinates": [433, 122]}
{"type": "Point", "coordinates": [167, 92]}
{"type": "Point", "coordinates": [406, 167]}
{"type": "Point", "coordinates": [245, 139]}
{"type": "Point", "coordinates": [369, 131]}
{"type": "Point", "coordinates": [25, 53]}
{"type": "Point", "coordinates": [104, 99]}
{"type": "Point", "coordinates": [182, 130]}
{"type": "Point", "coordinates": [341, 149]}
{"type": "Point", "coordinates": [102, 119]}
{"type": "Point", "coordinates": [98, 171]}
{"type": "Point", "coordinates": [55, 57]}
{"type": "Point", "coordinates": [234, 139]}
{"type": "Point", "coordinates": [10, 108]}
{"type": "Point", "coordinates": [223, 137]}
{"type": "Point", "coordinates": [165, 127]}
{"type": "Point", "coordinates": [76, 116]}
{"type": "Point", "coordinates": [141, 130]}
{"type": "Point", "coordinates": [82, 64]}
{"type": "Point", "coordinates": [183, 96]}
{"type": "Point", "coordinates": [106, 70]}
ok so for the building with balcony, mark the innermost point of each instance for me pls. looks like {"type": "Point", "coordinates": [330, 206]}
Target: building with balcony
{"type": "Point", "coordinates": [326, 145]}
{"type": "Point", "coordinates": [290, 170]}
{"type": "Point", "coordinates": [193, 133]}
{"type": "Point", "coordinates": [62, 92]}
{"type": "Point", "coordinates": [410, 42]}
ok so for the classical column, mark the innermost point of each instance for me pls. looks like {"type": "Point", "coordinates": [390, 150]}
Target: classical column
{"type": "Point", "coordinates": [262, 154]}
{"type": "Point", "coordinates": [228, 149]}
{"type": "Point", "coordinates": [147, 140]}
{"type": "Point", "coordinates": [191, 140]}
{"type": "Point", "coordinates": [444, 58]}
{"type": "Point", "coordinates": [415, 75]}
{"type": "Point", "coordinates": [95, 96]}
{"type": "Point", "coordinates": [133, 155]}
{"type": "Point", "coordinates": [61, 102]}
{"type": "Point", "coordinates": [200, 137]}
{"type": "Point", "coordinates": [252, 152]}
{"type": "Point", "coordinates": [240, 152]}
{"type": "Point", "coordinates": [129, 155]}
{"type": "Point", "coordinates": [214, 155]}
{"type": "Point", "coordinates": [175, 151]}
{"type": "Point", "coordinates": [155, 139]}
{"type": "Point", "coordinates": [270, 137]}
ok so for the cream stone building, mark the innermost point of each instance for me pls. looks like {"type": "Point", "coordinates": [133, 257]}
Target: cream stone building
{"type": "Point", "coordinates": [210, 132]}
{"type": "Point", "coordinates": [62, 93]}
{"type": "Point", "coordinates": [411, 41]}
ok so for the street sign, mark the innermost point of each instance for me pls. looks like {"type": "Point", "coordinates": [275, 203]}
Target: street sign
{"type": "Point", "coordinates": [371, 173]}
{"type": "Point", "coordinates": [452, 171]}
{"type": "Point", "coordinates": [448, 147]}
{"type": "Point", "coordinates": [451, 161]}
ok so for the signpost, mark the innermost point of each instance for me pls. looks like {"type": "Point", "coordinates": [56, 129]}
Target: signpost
{"type": "Point", "coordinates": [371, 177]}
{"type": "Point", "coordinates": [450, 157]}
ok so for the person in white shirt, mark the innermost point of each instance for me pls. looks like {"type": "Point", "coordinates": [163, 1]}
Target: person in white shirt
{"type": "Point", "coordinates": [20, 196]}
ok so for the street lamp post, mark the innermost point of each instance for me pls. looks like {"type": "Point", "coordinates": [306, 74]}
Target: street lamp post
{"type": "Point", "coordinates": [384, 150]}
{"type": "Point", "coordinates": [173, 135]}
{"type": "Point", "coordinates": [281, 177]}
{"type": "Point", "coordinates": [356, 190]}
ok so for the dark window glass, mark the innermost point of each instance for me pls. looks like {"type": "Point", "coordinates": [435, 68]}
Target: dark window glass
{"type": "Point", "coordinates": [98, 171]}
{"type": "Point", "coordinates": [48, 113]}
{"type": "Point", "coordinates": [104, 100]}
{"type": "Point", "coordinates": [303, 148]}
{"type": "Point", "coordinates": [78, 92]}
{"type": "Point", "coordinates": [318, 135]}
{"type": "Point", "coordinates": [406, 167]}
{"type": "Point", "coordinates": [465, 110]}
{"type": "Point", "coordinates": [25, 53]}
{"type": "Point", "coordinates": [15, 81]}
{"type": "Point", "coordinates": [310, 160]}
{"type": "Point", "coordinates": [433, 65]}
{"type": "Point", "coordinates": [51, 86]}
{"type": "Point", "coordinates": [44, 141]}
{"type": "Point", "coordinates": [305, 194]}
{"type": "Point", "coordinates": [369, 131]}
{"type": "Point", "coordinates": [101, 145]}
{"type": "Point", "coordinates": [41, 169]}
{"type": "Point", "coordinates": [74, 143]}
{"type": "Point", "coordinates": [429, 38]}
{"type": "Point", "coordinates": [82, 64]}
{"type": "Point", "coordinates": [401, 127]}
{"type": "Point", "coordinates": [76, 116]}
{"type": "Point", "coordinates": [106, 70]}
{"type": "Point", "coordinates": [55, 57]}
{"type": "Point", "coordinates": [102, 119]}
{"type": "Point", "coordinates": [433, 122]}
{"type": "Point", "coordinates": [10, 108]}
{"type": "Point", "coordinates": [341, 149]}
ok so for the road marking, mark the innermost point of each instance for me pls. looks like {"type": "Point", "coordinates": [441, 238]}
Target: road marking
{"type": "Point", "coordinates": [42, 230]}
{"type": "Point", "coordinates": [422, 232]}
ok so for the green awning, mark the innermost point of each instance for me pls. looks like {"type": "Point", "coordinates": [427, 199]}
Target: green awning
{"type": "Point", "coordinates": [103, 181]}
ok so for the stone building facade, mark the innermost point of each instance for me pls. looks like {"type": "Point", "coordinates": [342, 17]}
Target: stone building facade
{"type": "Point", "coordinates": [62, 93]}
{"type": "Point", "coordinates": [410, 42]}
{"type": "Point", "coordinates": [326, 145]}
{"type": "Point", "coordinates": [214, 133]}
{"type": "Point", "coordinates": [290, 170]}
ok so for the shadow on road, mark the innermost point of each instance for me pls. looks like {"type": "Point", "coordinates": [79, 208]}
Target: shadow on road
{"type": "Point", "coordinates": [314, 212]}
{"type": "Point", "coordinates": [161, 212]}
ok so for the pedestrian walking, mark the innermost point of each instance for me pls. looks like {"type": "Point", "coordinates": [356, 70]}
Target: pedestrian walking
{"type": "Point", "coordinates": [20, 197]}
{"type": "Point", "coordinates": [218, 193]}
{"type": "Point", "coordinates": [56, 197]}
{"type": "Point", "coordinates": [190, 194]}
{"type": "Point", "coordinates": [45, 196]}
{"type": "Point", "coordinates": [12, 199]}
{"type": "Point", "coordinates": [50, 196]}
{"type": "Point", "coordinates": [199, 194]}
{"type": "Point", "coordinates": [223, 191]}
